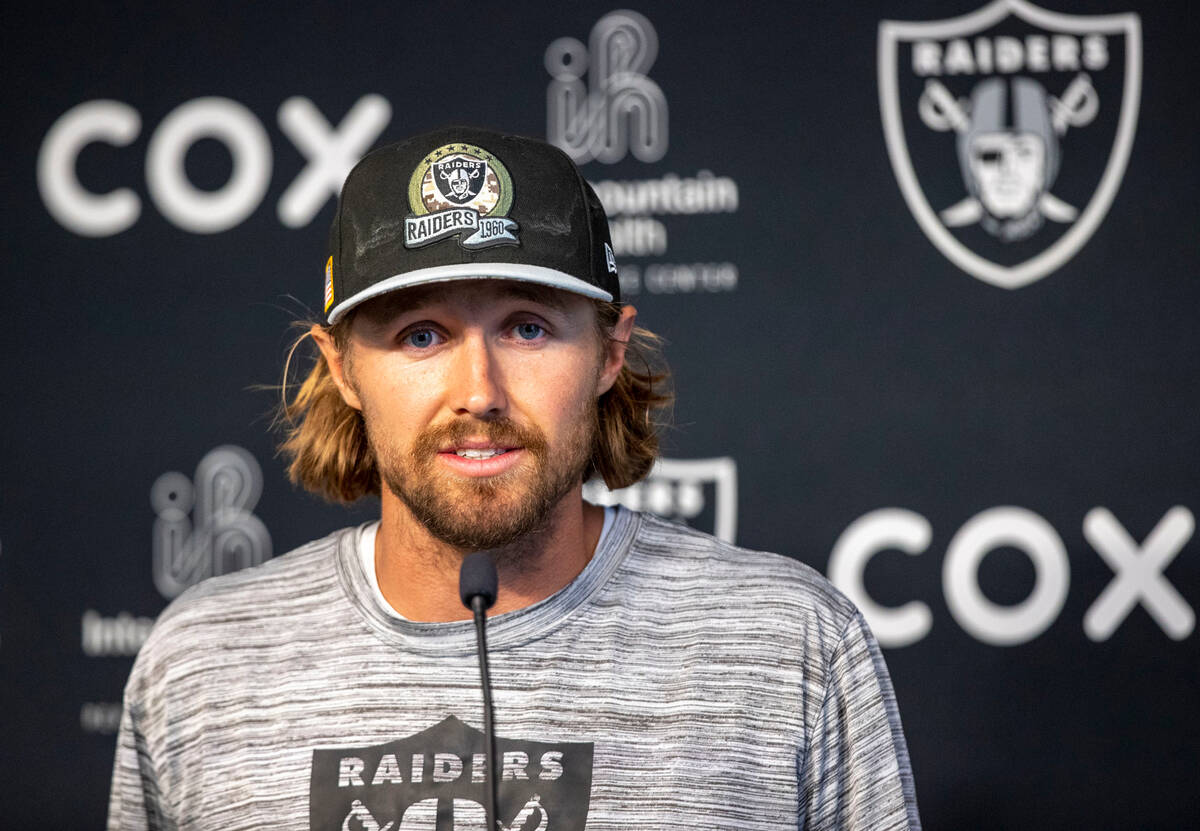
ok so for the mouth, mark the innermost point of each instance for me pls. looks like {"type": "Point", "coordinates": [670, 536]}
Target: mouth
{"type": "Point", "coordinates": [479, 458]}
{"type": "Point", "coordinates": [480, 453]}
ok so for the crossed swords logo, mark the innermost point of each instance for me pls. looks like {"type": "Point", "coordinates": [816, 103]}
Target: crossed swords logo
{"type": "Point", "coordinates": [941, 111]}
{"type": "Point", "coordinates": [424, 815]}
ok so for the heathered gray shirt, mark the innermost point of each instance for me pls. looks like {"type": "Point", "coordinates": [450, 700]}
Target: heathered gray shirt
{"type": "Point", "coordinates": [677, 683]}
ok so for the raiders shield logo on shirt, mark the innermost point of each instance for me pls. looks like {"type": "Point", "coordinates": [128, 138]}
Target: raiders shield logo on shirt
{"type": "Point", "coordinates": [1009, 130]}
{"type": "Point", "coordinates": [437, 779]}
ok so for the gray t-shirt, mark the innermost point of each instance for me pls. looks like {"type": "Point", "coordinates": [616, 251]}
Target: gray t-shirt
{"type": "Point", "coordinates": [678, 682]}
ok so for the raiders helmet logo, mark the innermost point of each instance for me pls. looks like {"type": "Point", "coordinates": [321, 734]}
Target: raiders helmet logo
{"type": "Point", "coordinates": [459, 179]}
{"type": "Point", "coordinates": [1009, 130]}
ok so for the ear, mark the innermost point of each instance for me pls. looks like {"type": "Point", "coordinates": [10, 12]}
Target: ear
{"type": "Point", "coordinates": [335, 359]}
{"type": "Point", "coordinates": [614, 350]}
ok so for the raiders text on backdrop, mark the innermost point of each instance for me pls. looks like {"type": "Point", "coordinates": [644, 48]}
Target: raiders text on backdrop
{"type": "Point", "coordinates": [1037, 53]}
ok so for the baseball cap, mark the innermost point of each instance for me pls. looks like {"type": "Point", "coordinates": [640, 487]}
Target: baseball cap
{"type": "Point", "coordinates": [462, 203]}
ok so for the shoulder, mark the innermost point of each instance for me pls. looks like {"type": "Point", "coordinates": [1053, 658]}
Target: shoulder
{"type": "Point", "coordinates": [231, 607]}
{"type": "Point", "coordinates": [298, 572]}
{"type": "Point", "coordinates": [740, 583]}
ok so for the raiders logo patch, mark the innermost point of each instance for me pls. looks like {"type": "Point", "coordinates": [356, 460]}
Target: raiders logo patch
{"type": "Point", "coordinates": [437, 779]}
{"type": "Point", "coordinates": [463, 191]}
{"type": "Point", "coordinates": [1009, 130]}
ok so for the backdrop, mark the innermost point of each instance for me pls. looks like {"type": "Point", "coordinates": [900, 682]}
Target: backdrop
{"type": "Point", "coordinates": [927, 272]}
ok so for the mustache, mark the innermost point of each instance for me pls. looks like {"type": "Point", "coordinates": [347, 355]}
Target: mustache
{"type": "Point", "coordinates": [502, 431]}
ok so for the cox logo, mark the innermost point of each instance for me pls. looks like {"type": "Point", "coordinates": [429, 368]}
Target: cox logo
{"type": "Point", "coordinates": [1137, 569]}
{"type": "Point", "coordinates": [330, 152]}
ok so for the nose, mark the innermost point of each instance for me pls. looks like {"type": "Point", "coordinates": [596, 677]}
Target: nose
{"type": "Point", "coordinates": [476, 383]}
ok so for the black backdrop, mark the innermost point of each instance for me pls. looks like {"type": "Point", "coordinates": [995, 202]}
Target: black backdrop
{"type": "Point", "coordinates": [843, 384]}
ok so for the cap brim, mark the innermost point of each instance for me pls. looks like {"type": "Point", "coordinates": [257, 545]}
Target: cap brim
{"type": "Point", "coordinates": [471, 271]}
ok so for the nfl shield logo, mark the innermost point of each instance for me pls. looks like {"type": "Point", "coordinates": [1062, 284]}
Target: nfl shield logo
{"type": "Point", "coordinates": [1009, 130]}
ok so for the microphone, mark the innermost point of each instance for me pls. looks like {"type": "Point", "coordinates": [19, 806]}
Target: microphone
{"type": "Point", "coordinates": [477, 587]}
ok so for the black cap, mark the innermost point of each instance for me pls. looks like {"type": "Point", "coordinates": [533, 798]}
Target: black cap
{"type": "Point", "coordinates": [461, 203]}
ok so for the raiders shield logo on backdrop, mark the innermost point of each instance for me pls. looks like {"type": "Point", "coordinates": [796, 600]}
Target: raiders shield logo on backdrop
{"type": "Point", "coordinates": [436, 780]}
{"type": "Point", "coordinates": [1009, 130]}
{"type": "Point", "coordinates": [700, 492]}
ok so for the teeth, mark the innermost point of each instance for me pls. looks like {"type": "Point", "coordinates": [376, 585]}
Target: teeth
{"type": "Point", "coordinates": [480, 454]}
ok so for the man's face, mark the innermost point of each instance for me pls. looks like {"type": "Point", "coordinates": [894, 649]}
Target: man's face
{"type": "Point", "coordinates": [1010, 169]}
{"type": "Point", "coordinates": [479, 399]}
{"type": "Point", "coordinates": [458, 182]}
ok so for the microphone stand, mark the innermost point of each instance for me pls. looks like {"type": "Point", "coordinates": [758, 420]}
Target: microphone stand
{"type": "Point", "coordinates": [489, 729]}
{"type": "Point", "coordinates": [478, 584]}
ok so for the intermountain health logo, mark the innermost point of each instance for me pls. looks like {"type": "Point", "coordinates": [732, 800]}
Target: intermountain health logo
{"type": "Point", "coordinates": [1009, 130]}
{"type": "Point", "coordinates": [206, 525]}
{"type": "Point", "coordinates": [437, 779]}
{"type": "Point", "coordinates": [603, 106]}
{"type": "Point", "coordinates": [620, 110]}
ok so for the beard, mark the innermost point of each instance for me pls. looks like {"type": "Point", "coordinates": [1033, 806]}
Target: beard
{"type": "Point", "coordinates": [495, 512]}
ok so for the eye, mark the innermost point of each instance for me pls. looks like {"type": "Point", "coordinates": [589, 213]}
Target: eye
{"type": "Point", "coordinates": [421, 338]}
{"type": "Point", "coordinates": [528, 331]}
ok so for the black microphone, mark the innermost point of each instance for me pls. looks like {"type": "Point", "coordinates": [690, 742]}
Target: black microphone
{"type": "Point", "coordinates": [477, 586]}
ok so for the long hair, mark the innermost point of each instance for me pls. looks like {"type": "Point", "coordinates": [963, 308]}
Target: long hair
{"type": "Point", "coordinates": [325, 439]}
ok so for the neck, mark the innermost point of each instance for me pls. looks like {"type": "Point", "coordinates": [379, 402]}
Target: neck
{"type": "Point", "coordinates": [418, 573]}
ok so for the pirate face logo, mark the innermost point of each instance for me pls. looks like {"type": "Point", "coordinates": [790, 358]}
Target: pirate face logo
{"type": "Point", "coordinates": [1039, 110]}
{"type": "Point", "coordinates": [1009, 155]}
{"type": "Point", "coordinates": [459, 178]}
{"type": "Point", "coordinates": [1008, 171]}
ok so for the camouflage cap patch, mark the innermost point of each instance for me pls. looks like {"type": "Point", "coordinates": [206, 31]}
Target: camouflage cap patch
{"type": "Point", "coordinates": [460, 190]}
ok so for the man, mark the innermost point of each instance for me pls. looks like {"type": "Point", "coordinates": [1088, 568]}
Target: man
{"type": "Point", "coordinates": [473, 372]}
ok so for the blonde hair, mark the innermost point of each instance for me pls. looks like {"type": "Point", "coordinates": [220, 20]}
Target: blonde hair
{"type": "Point", "coordinates": [325, 439]}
